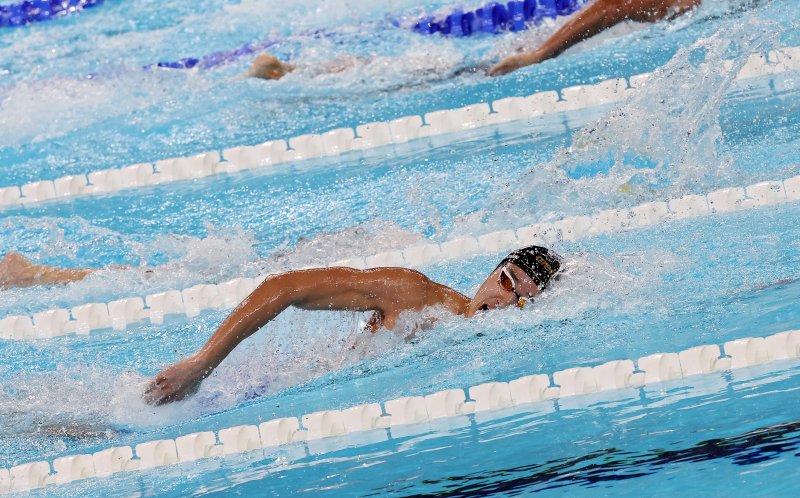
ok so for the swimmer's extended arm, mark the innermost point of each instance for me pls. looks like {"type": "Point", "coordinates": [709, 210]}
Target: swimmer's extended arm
{"type": "Point", "coordinates": [593, 19]}
{"type": "Point", "coordinates": [267, 67]}
{"type": "Point", "coordinates": [385, 290]}
{"type": "Point", "coordinates": [18, 271]}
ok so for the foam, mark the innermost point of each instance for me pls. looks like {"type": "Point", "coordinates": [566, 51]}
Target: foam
{"type": "Point", "coordinates": [407, 415]}
{"type": "Point", "coordinates": [360, 137]}
{"type": "Point", "coordinates": [192, 301]}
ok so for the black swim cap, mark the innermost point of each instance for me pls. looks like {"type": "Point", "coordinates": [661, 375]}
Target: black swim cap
{"type": "Point", "coordinates": [540, 263]}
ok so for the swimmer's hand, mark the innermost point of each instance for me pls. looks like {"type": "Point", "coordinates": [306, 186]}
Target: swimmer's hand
{"type": "Point", "coordinates": [514, 62]}
{"type": "Point", "coordinates": [177, 382]}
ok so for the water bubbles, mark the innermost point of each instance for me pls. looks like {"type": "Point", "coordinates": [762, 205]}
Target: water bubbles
{"type": "Point", "coordinates": [664, 140]}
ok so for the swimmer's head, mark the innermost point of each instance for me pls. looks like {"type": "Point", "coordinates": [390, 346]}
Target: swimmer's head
{"type": "Point", "coordinates": [520, 277]}
{"type": "Point", "coordinates": [269, 68]}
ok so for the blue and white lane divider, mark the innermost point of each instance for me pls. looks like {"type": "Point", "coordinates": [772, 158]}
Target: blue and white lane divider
{"type": "Point", "coordinates": [494, 17]}
{"type": "Point", "coordinates": [31, 11]}
{"type": "Point", "coordinates": [122, 313]}
{"type": "Point", "coordinates": [404, 416]}
{"type": "Point", "coordinates": [215, 59]}
{"type": "Point", "coordinates": [363, 137]}
{"type": "Point", "coordinates": [491, 18]}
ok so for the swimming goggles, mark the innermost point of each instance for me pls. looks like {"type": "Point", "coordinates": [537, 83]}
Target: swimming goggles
{"type": "Point", "coordinates": [507, 282]}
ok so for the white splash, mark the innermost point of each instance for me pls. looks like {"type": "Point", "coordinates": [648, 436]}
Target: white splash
{"type": "Point", "coordinates": [663, 141]}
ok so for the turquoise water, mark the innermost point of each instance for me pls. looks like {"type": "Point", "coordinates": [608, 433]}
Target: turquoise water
{"type": "Point", "coordinates": [664, 288]}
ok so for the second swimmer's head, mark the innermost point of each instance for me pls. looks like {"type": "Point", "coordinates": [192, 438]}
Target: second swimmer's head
{"type": "Point", "coordinates": [269, 68]}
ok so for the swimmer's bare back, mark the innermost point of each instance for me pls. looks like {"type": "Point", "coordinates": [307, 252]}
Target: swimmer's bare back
{"type": "Point", "coordinates": [386, 292]}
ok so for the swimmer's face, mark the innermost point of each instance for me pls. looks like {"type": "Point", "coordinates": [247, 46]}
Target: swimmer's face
{"type": "Point", "coordinates": [503, 288]}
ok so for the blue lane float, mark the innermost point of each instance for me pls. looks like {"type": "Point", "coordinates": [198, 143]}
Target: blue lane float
{"type": "Point", "coordinates": [494, 17]}
{"type": "Point", "coordinates": [224, 57]}
{"type": "Point", "coordinates": [31, 11]}
{"type": "Point", "coordinates": [215, 59]}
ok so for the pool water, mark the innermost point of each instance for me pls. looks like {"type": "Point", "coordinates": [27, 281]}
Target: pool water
{"type": "Point", "coordinates": [74, 98]}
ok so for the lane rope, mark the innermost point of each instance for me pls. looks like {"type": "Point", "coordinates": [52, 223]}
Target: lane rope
{"type": "Point", "coordinates": [402, 417]}
{"type": "Point", "coordinates": [122, 313]}
{"type": "Point", "coordinates": [33, 11]}
{"type": "Point", "coordinates": [490, 19]}
{"type": "Point", "coordinates": [493, 17]}
{"type": "Point", "coordinates": [364, 137]}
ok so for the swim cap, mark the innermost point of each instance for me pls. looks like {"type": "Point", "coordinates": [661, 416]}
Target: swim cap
{"type": "Point", "coordinates": [540, 263]}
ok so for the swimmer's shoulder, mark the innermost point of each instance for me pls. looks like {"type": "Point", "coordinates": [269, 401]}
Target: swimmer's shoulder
{"type": "Point", "coordinates": [396, 272]}
{"type": "Point", "coordinates": [387, 276]}
{"type": "Point", "coordinates": [403, 278]}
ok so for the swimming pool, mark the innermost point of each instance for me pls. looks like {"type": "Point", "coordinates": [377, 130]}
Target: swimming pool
{"type": "Point", "coordinates": [665, 287]}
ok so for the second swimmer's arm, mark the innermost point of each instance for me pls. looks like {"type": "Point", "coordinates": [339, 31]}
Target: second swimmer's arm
{"type": "Point", "coordinates": [593, 19]}
{"type": "Point", "coordinates": [18, 271]}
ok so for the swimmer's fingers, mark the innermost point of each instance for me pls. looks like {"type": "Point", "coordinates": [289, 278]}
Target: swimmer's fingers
{"type": "Point", "coordinates": [159, 397]}
{"type": "Point", "coordinates": [155, 383]}
{"type": "Point", "coordinates": [168, 395]}
{"type": "Point", "coordinates": [157, 391]}
{"type": "Point", "coordinates": [162, 391]}
{"type": "Point", "coordinates": [151, 394]}
{"type": "Point", "coordinates": [506, 66]}
{"type": "Point", "coordinates": [191, 391]}
{"type": "Point", "coordinates": [174, 383]}
{"type": "Point", "coordinates": [162, 399]}
{"type": "Point", "coordinates": [500, 69]}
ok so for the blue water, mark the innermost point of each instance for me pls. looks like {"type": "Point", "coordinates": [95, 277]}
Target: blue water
{"type": "Point", "coordinates": [626, 294]}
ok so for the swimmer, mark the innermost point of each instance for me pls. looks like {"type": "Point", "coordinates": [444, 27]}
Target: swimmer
{"type": "Point", "coordinates": [591, 20]}
{"type": "Point", "coordinates": [386, 292]}
{"type": "Point", "coordinates": [268, 67]}
{"type": "Point", "coordinates": [18, 271]}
